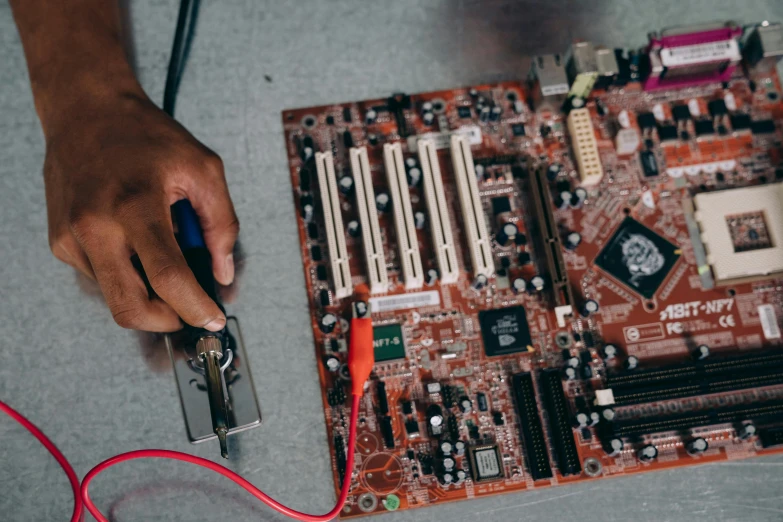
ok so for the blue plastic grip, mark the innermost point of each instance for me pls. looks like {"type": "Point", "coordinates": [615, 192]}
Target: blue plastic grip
{"type": "Point", "coordinates": [189, 233]}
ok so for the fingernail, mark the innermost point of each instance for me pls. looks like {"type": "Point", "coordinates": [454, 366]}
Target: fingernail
{"type": "Point", "coordinates": [228, 269]}
{"type": "Point", "coordinates": [215, 325]}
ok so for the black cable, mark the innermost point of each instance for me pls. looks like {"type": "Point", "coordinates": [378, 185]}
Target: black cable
{"type": "Point", "coordinates": [180, 50]}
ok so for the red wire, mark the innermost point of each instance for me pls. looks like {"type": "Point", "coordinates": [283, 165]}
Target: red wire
{"type": "Point", "coordinates": [78, 509]}
{"type": "Point", "coordinates": [250, 488]}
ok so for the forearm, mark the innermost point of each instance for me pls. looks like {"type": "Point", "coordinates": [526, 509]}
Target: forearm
{"type": "Point", "coordinates": [75, 56]}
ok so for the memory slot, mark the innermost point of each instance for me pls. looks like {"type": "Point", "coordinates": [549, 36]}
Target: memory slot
{"type": "Point", "coordinates": [559, 418]}
{"type": "Point", "coordinates": [749, 378]}
{"type": "Point", "coordinates": [533, 440]}
{"type": "Point", "coordinates": [693, 369]}
{"type": "Point", "coordinates": [771, 411]}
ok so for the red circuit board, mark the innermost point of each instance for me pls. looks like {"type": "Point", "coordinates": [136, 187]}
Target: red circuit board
{"type": "Point", "coordinates": [445, 359]}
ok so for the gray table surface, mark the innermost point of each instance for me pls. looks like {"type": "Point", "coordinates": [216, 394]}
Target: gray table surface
{"type": "Point", "coordinates": [98, 390]}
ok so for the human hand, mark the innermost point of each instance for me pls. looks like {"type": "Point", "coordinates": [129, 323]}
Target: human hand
{"type": "Point", "coordinates": [112, 171]}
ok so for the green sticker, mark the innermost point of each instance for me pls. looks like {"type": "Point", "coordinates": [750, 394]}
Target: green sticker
{"type": "Point", "coordinates": [388, 342]}
{"type": "Point", "coordinates": [391, 502]}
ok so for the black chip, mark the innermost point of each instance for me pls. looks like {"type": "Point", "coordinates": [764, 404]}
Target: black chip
{"type": "Point", "coordinates": [667, 132]}
{"type": "Point", "coordinates": [501, 205]}
{"type": "Point", "coordinates": [504, 331]}
{"type": "Point", "coordinates": [315, 253]}
{"type": "Point", "coordinates": [685, 135]}
{"type": "Point", "coordinates": [740, 122]}
{"type": "Point", "coordinates": [681, 112]}
{"type": "Point", "coordinates": [312, 230]}
{"type": "Point", "coordinates": [347, 114]}
{"type": "Point", "coordinates": [762, 127]}
{"type": "Point", "coordinates": [518, 129]}
{"type": "Point", "coordinates": [638, 257]}
{"type": "Point", "coordinates": [524, 258]}
{"type": "Point", "coordinates": [649, 163]}
{"type": "Point", "coordinates": [485, 463]}
{"type": "Point", "coordinates": [704, 127]}
{"type": "Point", "coordinates": [646, 120]}
{"type": "Point", "coordinates": [717, 107]}
{"type": "Point", "coordinates": [320, 272]}
{"type": "Point", "coordinates": [464, 112]}
{"type": "Point", "coordinates": [722, 130]}
{"type": "Point", "coordinates": [330, 120]}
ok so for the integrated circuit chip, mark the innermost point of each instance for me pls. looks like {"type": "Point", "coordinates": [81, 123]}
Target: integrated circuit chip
{"type": "Point", "coordinates": [389, 343]}
{"type": "Point", "coordinates": [638, 257]}
{"type": "Point", "coordinates": [485, 463]}
{"type": "Point", "coordinates": [504, 331]}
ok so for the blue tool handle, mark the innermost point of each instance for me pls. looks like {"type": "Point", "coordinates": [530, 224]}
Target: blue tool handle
{"type": "Point", "coordinates": [191, 242]}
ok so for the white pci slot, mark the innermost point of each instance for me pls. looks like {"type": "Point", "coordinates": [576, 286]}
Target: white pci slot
{"type": "Point", "coordinates": [403, 217]}
{"type": "Point", "coordinates": [335, 235]}
{"type": "Point", "coordinates": [472, 213]}
{"type": "Point", "coordinates": [368, 218]}
{"type": "Point", "coordinates": [440, 224]}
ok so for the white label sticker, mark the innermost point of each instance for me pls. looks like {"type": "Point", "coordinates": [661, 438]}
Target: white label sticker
{"type": "Point", "coordinates": [727, 50]}
{"type": "Point", "coordinates": [553, 90]}
{"type": "Point", "coordinates": [487, 464]}
{"type": "Point", "coordinates": [769, 321]}
{"type": "Point", "coordinates": [442, 140]}
{"type": "Point", "coordinates": [404, 301]}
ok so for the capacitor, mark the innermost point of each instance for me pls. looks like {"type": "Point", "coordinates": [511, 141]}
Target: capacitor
{"type": "Point", "coordinates": [448, 464]}
{"type": "Point", "coordinates": [382, 201]}
{"type": "Point", "coordinates": [461, 476]}
{"type": "Point", "coordinates": [446, 479]}
{"type": "Point", "coordinates": [589, 307]}
{"type": "Point", "coordinates": [414, 176]}
{"type": "Point", "coordinates": [419, 219]}
{"type": "Point", "coordinates": [426, 107]}
{"type": "Point", "coordinates": [353, 228]}
{"type": "Point", "coordinates": [577, 102]}
{"type": "Point", "coordinates": [570, 373]}
{"type": "Point", "coordinates": [494, 114]}
{"type": "Point", "coordinates": [647, 453]}
{"type": "Point", "coordinates": [538, 283]}
{"type": "Point", "coordinates": [610, 352]}
{"type": "Point", "coordinates": [410, 162]}
{"type": "Point", "coordinates": [552, 171]}
{"type": "Point", "coordinates": [307, 212]}
{"type": "Point", "coordinates": [372, 138]}
{"type": "Point", "coordinates": [519, 285]}
{"type": "Point", "coordinates": [614, 446]}
{"type": "Point", "coordinates": [432, 276]}
{"type": "Point", "coordinates": [631, 362]}
{"type": "Point", "coordinates": [361, 309]}
{"type": "Point", "coordinates": [701, 352]}
{"type": "Point", "coordinates": [327, 323]}
{"type": "Point", "coordinates": [484, 114]}
{"type": "Point", "coordinates": [332, 363]}
{"type": "Point", "coordinates": [520, 239]}
{"type": "Point", "coordinates": [465, 405]}
{"type": "Point", "coordinates": [582, 420]}
{"type": "Point", "coordinates": [459, 448]}
{"type": "Point", "coordinates": [580, 194]}
{"type": "Point", "coordinates": [518, 106]}
{"type": "Point", "coordinates": [446, 447]}
{"type": "Point", "coordinates": [563, 200]}
{"type": "Point", "coordinates": [594, 418]}
{"type": "Point", "coordinates": [608, 414]}
{"type": "Point", "coordinates": [473, 93]}
{"type": "Point", "coordinates": [345, 184]}
{"type": "Point", "coordinates": [572, 240]}
{"type": "Point", "coordinates": [573, 362]}
{"type": "Point", "coordinates": [428, 118]}
{"type": "Point", "coordinates": [370, 116]}
{"type": "Point", "coordinates": [480, 282]}
{"type": "Point", "coordinates": [506, 233]}
{"type": "Point", "coordinates": [697, 445]}
{"type": "Point", "coordinates": [434, 416]}
{"type": "Point", "coordinates": [746, 431]}
{"type": "Point", "coordinates": [479, 169]}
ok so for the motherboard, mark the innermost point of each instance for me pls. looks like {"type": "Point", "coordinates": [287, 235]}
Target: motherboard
{"type": "Point", "coordinates": [573, 276]}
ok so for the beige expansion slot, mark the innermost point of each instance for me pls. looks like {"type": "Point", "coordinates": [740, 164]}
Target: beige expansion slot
{"type": "Point", "coordinates": [333, 222]}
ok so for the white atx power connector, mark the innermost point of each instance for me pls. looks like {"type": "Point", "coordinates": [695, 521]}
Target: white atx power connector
{"type": "Point", "coordinates": [333, 222]}
{"type": "Point", "coordinates": [368, 218]}
{"type": "Point", "coordinates": [440, 224]}
{"type": "Point", "coordinates": [408, 243]}
{"type": "Point", "coordinates": [472, 212]}
{"type": "Point", "coordinates": [588, 161]}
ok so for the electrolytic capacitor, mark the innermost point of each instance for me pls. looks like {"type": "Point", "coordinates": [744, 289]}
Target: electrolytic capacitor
{"type": "Point", "coordinates": [327, 323]}
{"type": "Point", "coordinates": [419, 219]}
{"type": "Point", "coordinates": [435, 418]}
{"type": "Point", "coordinates": [448, 464]}
{"type": "Point", "coordinates": [702, 352]}
{"type": "Point", "coordinates": [479, 170]}
{"type": "Point", "coordinates": [631, 362]}
{"type": "Point", "coordinates": [697, 445]}
{"type": "Point", "coordinates": [494, 114]}
{"type": "Point", "coordinates": [614, 446]}
{"type": "Point", "coordinates": [573, 362]}
{"type": "Point", "coordinates": [746, 431]}
{"type": "Point", "coordinates": [307, 212]}
{"type": "Point", "coordinates": [563, 200]}
{"type": "Point", "coordinates": [461, 476]}
{"type": "Point", "coordinates": [345, 184]}
{"type": "Point", "coordinates": [473, 93]}
{"type": "Point", "coordinates": [428, 118]}
{"type": "Point", "coordinates": [459, 448]}
{"type": "Point", "coordinates": [570, 373]}
{"type": "Point", "coordinates": [608, 414]}
{"type": "Point", "coordinates": [410, 162]}
{"type": "Point", "coordinates": [610, 352]}
{"type": "Point", "coordinates": [572, 240]}
{"type": "Point", "coordinates": [446, 479]}
{"type": "Point", "coordinates": [647, 453]}
{"type": "Point", "coordinates": [432, 277]}
{"type": "Point", "coordinates": [382, 201]}
{"type": "Point", "coordinates": [465, 405]}
{"type": "Point", "coordinates": [552, 171]}
{"type": "Point", "coordinates": [414, 176]}
{"type": "Point", "coordinates": [580, 194]}
{"type": "Point", "coordinates": [446, 447]}
{"type": "Point", "coordinates": [582, 420]}
{"type": "Point", "coordinates": [332, 363]}
{"type": "Point", "coordinates": [353, 228]}
{"type": "Point", "coordinates": [518, 107]}
{"type": "Point", "coordinates": [370, 116]}
{"type": "Point", "coordinates": [519, 285]}
{"type": "Point", "coordinates": [589, 307]}
{"type": "Point", "coordinates": [484, 114]}
{"type": "Point", "coordinates": [506, 233]}
{"type": "Point", "coordinates": [538, 283]}
{"type": "Point", "coordinates": [426, 107]}
{"type": "Point", "coordinates": [480, 282]}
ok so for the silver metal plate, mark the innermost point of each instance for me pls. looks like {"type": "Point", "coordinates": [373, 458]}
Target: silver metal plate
{"type": "Point", "coordinates": [244, 412]}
